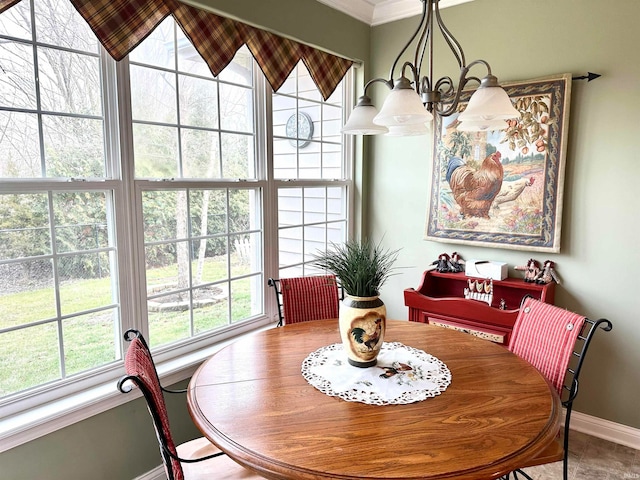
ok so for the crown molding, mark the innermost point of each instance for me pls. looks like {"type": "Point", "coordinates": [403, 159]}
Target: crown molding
{"type": "Point", "coordinates": [383, 11]}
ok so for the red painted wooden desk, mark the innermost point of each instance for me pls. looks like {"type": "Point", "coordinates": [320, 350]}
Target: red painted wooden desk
{"type": "Point", "coordinates": [251, 400]}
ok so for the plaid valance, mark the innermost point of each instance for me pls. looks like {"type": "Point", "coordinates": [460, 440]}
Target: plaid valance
{"type": "Point", "coordinates": [121, 25]}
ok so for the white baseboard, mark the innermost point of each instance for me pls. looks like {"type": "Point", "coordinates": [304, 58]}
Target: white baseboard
{"type": "Point", "coordinates": [157, 473]}
{"type": "Point", "coordinates": [606, 430]}
{"type": "Point", "coordinates": [580, 422]}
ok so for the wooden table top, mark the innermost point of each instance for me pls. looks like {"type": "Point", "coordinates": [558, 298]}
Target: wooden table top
{"type": "Point", "coordinates": [252, 401]}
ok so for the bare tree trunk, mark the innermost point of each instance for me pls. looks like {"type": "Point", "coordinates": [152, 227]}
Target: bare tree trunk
{"type": "Point", "coordinates": [204, 223]}
{"type": "Point", "coordinates": [182, 247]}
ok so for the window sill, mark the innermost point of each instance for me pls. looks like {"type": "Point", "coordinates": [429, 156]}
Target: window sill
{"type": "Point", "coordinates": [29, 425]}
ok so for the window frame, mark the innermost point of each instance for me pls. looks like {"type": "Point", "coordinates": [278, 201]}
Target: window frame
{"type": "Point", "coordinates": [45, 409]}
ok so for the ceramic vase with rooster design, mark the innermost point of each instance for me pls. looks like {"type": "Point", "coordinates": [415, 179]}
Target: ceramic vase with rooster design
{"type": "Point", "coordinates": [363, 322]}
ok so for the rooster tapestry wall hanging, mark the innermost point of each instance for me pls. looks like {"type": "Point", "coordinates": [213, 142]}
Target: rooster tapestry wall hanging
{"type": "Point", "coordinates": [503, 188]}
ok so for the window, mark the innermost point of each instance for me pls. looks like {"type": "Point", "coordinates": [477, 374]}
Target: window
{"type": "Point", "coordinates": [310, 172]}
{"type": "Point", "coordinates": [202, 243]}
{"type": "Point", "coordinates": [141, 194]}
{"type": "Point", "coordinates": [58, 263]}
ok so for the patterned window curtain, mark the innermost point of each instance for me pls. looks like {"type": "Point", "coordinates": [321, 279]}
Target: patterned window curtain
{"type": "Point", "coordinates": [121, 25]}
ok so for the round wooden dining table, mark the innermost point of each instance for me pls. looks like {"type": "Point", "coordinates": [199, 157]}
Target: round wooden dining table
{"type": "Point", "coordinates": [251, 400]}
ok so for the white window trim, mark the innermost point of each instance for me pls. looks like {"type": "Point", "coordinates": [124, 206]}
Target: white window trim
{"type": "Point", "coordinates": [34, 423]}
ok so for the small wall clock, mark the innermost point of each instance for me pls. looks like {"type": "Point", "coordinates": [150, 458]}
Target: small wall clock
{"type": "Point", "coordinates": [300, 136]}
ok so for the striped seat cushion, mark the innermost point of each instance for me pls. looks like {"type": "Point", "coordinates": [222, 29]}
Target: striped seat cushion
{"type": "Point", "coordinates": [309, 298]}
{"type": "Point", "coordinates": [545, 336]}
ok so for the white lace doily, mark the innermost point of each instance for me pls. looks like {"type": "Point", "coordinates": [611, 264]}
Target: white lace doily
{"type": "Point", "coordinates": [402, 375]}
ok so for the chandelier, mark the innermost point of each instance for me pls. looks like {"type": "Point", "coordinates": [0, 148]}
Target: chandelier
{"type": "Point", "coordinates": [415, 98]}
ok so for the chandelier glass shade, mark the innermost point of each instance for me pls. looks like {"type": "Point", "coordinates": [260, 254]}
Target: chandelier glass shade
{"type": "Point", "coordinates": [402, 107]}
{"type": "Point", "coordinates": [408, 130]}
{"type": "Point", "coordinates": [415, 98]}
{"type": "Point", "coordinates": [361, 119]}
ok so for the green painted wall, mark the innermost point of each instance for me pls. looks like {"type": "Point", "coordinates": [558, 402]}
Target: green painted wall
{"type": "Point", "coordinates": [120, 444]}
{"type": "Point", "coordinates": [305, 20]}
{"type": "Point", "coordinates": [599, 259]}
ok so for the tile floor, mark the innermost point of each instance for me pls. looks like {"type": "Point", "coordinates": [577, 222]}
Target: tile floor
{"type": "Point", "coordinates": [592, 458]}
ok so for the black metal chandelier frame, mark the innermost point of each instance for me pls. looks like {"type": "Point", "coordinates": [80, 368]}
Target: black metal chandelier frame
{"type": "Point", "coordinates": [441, 96]}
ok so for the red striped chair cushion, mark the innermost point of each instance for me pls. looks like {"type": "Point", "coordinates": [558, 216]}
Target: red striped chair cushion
{"type": "Point", "coordinates": [309, 298]}
{"type": "Point", "coordinates": [545, 336]}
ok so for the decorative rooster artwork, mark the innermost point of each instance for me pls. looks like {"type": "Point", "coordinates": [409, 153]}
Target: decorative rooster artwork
{"type": "Point", "coordinates": [367, 338]}
{"type": "Point", "coordinates": [503, 186]}
{"type": "Point", "coordinates": [475, 189]}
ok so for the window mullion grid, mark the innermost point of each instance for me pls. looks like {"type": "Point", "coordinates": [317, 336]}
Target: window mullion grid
{"type": "Point", "coordinates": [228, 240]}
{"type": "Point", "coordinates": [36, 68]}
{"type": "Point", "coordinates": [56, 282]}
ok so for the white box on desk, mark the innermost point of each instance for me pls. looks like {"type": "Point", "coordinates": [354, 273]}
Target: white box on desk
{"type": "Point", "coordinates": [486, 269]}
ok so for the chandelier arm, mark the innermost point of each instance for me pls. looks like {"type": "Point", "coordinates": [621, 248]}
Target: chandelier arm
{"type": "Point", "coordinates": [426, 39]}
{"type": "Point", "coordinates": [462, 82]}
{"type": "Point", "coordinates": [444, 82]}
{"type": "Point", "coordinates": [410, 41]}
{"type": "Point", "coordinates": [480, 61]}
{"type": "Point", "coordinates": [414, 75]}
{"type": "Point", "coordinates": [388, 83]}
{"type": "Point", "coordinates": [454, 45]}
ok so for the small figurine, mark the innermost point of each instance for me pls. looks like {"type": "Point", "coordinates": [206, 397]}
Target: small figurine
{"type": "Point", "coordinates": [547, 274]}
{"type": "Point", "coordinates": [442, 264]}
{"type": "Point", "coordinates": [456, 263]}
{"type": "Point", "coordinates": [448, 264]}
{"type": "Point", "coordinates": [531, 270]}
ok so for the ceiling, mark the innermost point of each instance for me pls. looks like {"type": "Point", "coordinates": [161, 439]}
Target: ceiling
{"type": "Point", "coordinates": [376, 12]}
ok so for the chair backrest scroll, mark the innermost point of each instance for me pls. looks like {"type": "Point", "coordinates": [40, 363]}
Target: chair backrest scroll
{"type": "Point", "coordinates": [141, 371]}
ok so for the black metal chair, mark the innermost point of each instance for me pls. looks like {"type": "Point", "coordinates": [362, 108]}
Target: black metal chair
{"type": "Point", "coordinates": [302, 299]}
{"type": "Point", "coordinates": [555, 341]}
{"type": "Point", "coordinates": [197, 459]}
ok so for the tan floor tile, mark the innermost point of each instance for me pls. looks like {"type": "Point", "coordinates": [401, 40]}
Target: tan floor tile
{"type": "Point", "coordinates": [591, 458]}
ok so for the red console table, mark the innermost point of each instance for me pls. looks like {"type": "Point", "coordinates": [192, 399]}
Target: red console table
{"type": "Point", "coordinates": [439, 300]}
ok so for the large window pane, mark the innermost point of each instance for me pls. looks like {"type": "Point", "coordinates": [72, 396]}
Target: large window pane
{"type": "Point", "coordinates": [199, 244]}
{"type": "Point", "coordinates": [187, 123]}
{"type": "Point", "coordinates": [68, 284]}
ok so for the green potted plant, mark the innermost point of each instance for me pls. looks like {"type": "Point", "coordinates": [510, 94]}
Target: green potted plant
{"type": "Point", "coordinates": [361, 268]}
